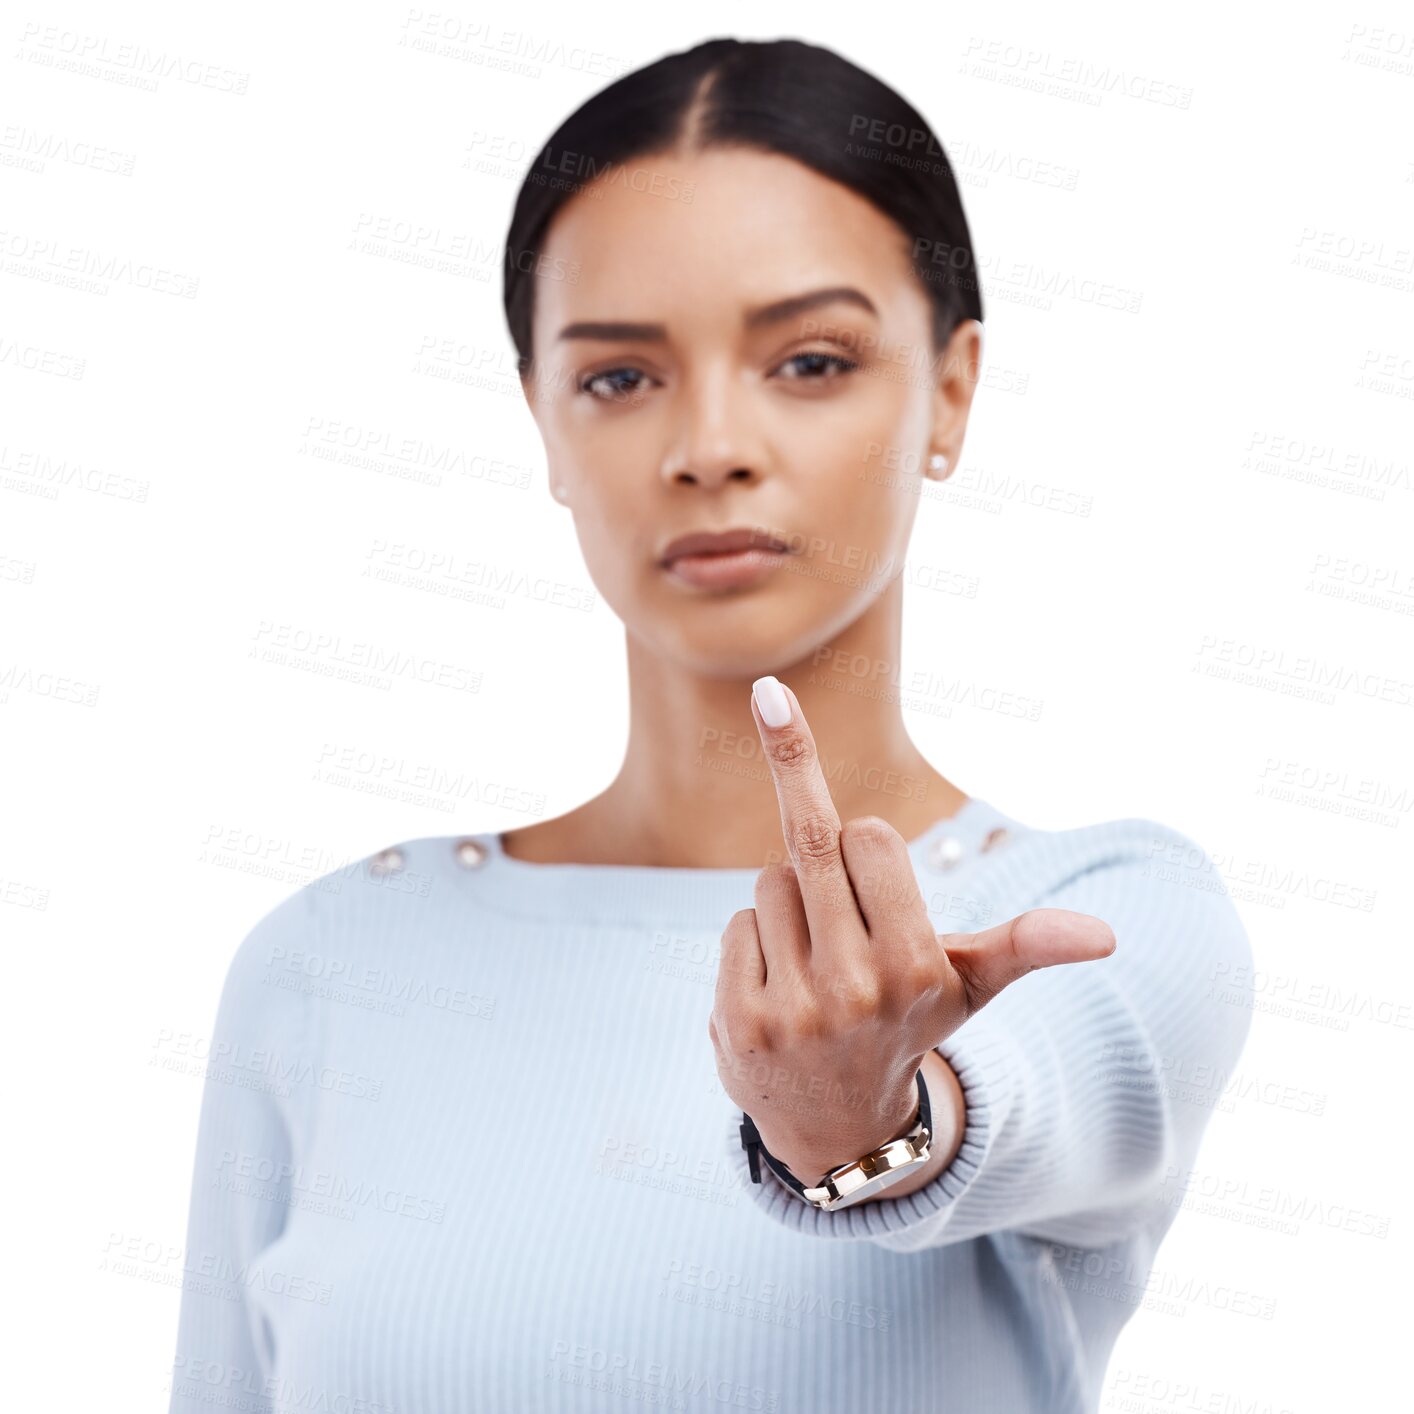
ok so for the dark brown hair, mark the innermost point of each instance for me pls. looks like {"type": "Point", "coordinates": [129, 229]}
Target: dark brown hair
{"type": "Point", "coordinates": [782, 96]}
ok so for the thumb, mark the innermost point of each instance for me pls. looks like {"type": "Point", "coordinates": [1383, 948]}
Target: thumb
{"type": "Point", "coordinates": [1042, 937]}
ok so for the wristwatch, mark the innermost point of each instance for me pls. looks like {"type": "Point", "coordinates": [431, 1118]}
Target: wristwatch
{"type": "Point", "coordinates": [861, 1178]}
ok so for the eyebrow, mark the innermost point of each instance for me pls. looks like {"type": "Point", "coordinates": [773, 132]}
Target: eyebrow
{"type": "Point", "coordinates": [762, 315]}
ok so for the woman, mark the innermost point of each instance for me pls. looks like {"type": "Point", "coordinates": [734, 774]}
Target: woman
{"type": "Point", "coordinates": [543, 1119]}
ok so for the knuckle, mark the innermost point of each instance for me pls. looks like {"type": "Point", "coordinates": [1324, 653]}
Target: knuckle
{"type": "Point", "coordinates": [814, 838]}
{"type": "Point", "coordinates": [870, 827]}
{"type": "Point", "coordinates": [809, 1019]}
{"type": "Point", "coordinates": [790, 751]}
{"type": "Point", "coordinates": [773, 879]}
{"type": "Point", "coordinates": [859, 995]}
{"type": "Point", "coordinates": [925, 944]}
{"type": "Point", "coordinates": [742, 921]}
{"type": "Point", "coordinates": [925, 975]}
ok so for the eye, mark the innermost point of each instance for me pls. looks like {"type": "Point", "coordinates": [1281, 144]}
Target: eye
{"type": "Point", "coordinates": [610, 390]}
{"type": "Point", "coordinates": [816, 362]}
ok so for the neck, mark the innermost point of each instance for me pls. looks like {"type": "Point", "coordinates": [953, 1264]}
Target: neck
{"type": "Point", "coordinates": [695, 789]}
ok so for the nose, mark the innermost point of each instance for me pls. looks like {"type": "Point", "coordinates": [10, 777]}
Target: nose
{"type": "Point", "coordinates": [716, 443]}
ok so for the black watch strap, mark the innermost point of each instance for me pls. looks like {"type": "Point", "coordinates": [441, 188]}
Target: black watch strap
{"type": "Point", "coordinates": [756, 1150]}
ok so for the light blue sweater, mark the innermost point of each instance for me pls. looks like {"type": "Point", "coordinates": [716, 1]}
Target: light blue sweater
{"type": "Point", "coordinates": [391, 1035]}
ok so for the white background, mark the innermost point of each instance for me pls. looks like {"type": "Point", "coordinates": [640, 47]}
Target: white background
{"type": "Point", "coordinates": [1188, 524]}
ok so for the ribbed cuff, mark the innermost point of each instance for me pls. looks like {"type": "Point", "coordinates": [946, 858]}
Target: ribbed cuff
{"type": "Point", "coordinates": [987, 1059]}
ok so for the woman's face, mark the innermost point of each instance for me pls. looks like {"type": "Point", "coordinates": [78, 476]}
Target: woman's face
{"type": "Point", "coordinates": [709, 411]}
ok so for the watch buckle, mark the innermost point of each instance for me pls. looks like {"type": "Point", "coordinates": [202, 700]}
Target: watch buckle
{"type": "Point", "coordinates": [751, 1142]}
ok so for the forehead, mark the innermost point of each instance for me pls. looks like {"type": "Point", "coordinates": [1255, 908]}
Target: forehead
{"type": "Point", "coordinates": [689, 240]}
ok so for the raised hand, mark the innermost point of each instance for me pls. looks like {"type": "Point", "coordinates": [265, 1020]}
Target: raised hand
{"type": "Point", "coordinates": [832, 989]}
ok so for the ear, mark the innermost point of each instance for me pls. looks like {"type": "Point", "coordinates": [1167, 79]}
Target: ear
{"type": "Point", "coordinates": [958, 373]}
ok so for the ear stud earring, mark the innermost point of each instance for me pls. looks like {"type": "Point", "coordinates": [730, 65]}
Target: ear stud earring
{"type": "Point", "coordinates": [938, 462]}
{"type": "Point", "coordinates": [559, 493]}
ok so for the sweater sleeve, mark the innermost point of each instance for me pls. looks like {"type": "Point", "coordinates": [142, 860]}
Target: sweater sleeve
{"type": "Point", "coordinates": [1085, 1084]}
{"type": "Point", "coordinates": [240, 1186]}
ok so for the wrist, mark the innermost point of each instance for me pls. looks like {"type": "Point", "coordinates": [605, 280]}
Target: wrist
{"type": "Point", "coordinates": [949, 1116]}
{"type": "Point", "coordinates": [813, 1155]}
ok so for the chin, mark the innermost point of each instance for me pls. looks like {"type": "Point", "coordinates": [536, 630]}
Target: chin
{"type": "Point", "coordinates": [742, 642]}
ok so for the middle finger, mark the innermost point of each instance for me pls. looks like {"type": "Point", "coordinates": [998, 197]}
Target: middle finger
{"type": "Point", "coordinates": [810, 825]}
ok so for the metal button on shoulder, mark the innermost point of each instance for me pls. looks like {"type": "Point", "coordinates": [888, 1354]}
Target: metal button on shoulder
{"type": "Point", "coordinates": [470, 853]}
{"type": "Point", "coordinates": [944, 852]}
{"type": "Point", "coordinates": [387, 861]}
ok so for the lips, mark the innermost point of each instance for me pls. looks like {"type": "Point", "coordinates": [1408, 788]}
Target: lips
{"type": "Point", "coordinates": [723, 560]}
{"type": "Point", "coordinates": [725, 542]}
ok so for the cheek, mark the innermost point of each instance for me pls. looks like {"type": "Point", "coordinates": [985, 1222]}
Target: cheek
{"type": "Point", "coordinates": [604, 525]}
{"type": "Point", "coordinates": [879, 533]}
{"type": "Point", "coordinates": [857, 527]}
{"type": "Point", "coordinates": [616, 542]}
{"type": "Point", "coordinates": [868, 516]}
{"type": "Point", "coordinates": [870, 446]}
{"type": "Point", "coordinates": [885, 477]}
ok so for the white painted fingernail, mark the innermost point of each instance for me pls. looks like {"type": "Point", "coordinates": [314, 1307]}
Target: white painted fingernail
{"type": "Point", "coordinates": [772, 700]}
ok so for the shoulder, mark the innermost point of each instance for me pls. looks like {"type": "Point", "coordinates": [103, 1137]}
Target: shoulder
{"type": "Point", "coordinates": [1130, 857]}
{"type": "Point", "coordinates": [390, 877]}
{"type": "Point", "coordinates": [1122, 840]}
{"type": "Point", "coordinates": [372, 903]}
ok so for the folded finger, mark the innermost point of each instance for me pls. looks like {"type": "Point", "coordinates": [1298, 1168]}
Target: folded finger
{"type": "Point", "coordinates": [781, 924]}
{"type": "Point", "coordinates": [741, 967]}
{"type": "Point", "coordinates": [881, 872]}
